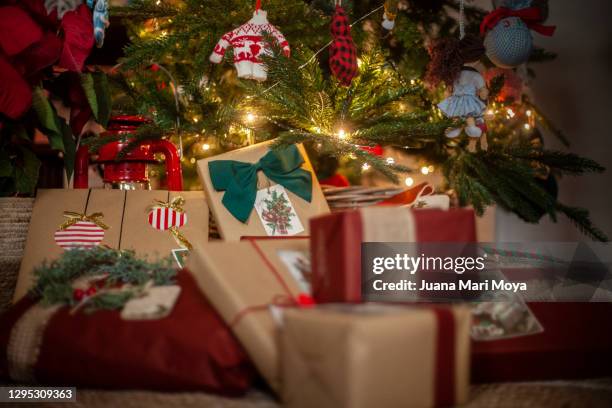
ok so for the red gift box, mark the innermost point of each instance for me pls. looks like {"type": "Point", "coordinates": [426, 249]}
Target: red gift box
{"type": "Point", "coordinates": [576, 343]}
{"type": "Point", "coordinates": [191, 349]}
{"type": "Point", "coordinates": [336, 242]}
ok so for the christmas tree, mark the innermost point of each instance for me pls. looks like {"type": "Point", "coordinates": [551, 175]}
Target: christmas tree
{"type": "Point", "coordinates": [179, 70]}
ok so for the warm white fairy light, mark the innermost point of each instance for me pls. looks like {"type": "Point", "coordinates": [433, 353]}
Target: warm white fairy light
{"type": "Point", "coordinates": [528, 113]}
{"type": "Point", "coordinates": [510, 113]}
{"type": "Point", "coordinates": [390, 160]}
{"type": "Point", "coordinates": [341, 134]}
{"type": "Point", "coordinates": [412, 82]}
{"type": "Point", "coordinates": [205, 146]}
{"type": "Point", "coordinates": [431, 168]}
{"type": "Point", "coordinates": [249, 118]}
{"type": "Point", "coordinates": [527, 126]}
{"type": "Point", "coordinates": [365, 167]}
{"type": "Point", "coordinates": [425, 170]}
{"type": "Point", "coordinates": [409, 181]}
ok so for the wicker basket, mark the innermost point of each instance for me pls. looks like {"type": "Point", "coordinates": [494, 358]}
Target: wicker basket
{"type": "Point", "coordinates": [342, 198]}
{"type": "Point", "coordinates": [14, 222]}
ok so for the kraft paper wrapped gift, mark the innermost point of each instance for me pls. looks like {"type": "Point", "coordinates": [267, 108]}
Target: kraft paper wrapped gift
{"type": "Point", "coordinates": [336, 242]}
{"type": "Point", "coordinates": [116, 218]}
{"type": "Point", "coordinates": [370, 355]}
{"type": "Point", "coordinates": [243, 182]}
{"type": "Point", "coordinates": [243, 280]}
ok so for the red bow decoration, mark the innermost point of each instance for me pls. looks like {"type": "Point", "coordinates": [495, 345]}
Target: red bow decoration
{"type": "Point", "coordinates": [532, 16]}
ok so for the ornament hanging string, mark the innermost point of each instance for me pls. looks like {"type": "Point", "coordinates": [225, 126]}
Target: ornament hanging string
{"type": "Point", "coordinates": [314, 56]}
{"type": "Point", "coordinates": [461, 19]}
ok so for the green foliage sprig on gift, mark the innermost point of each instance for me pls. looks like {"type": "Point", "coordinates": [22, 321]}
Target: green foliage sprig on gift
{"type": "Point", "coordinates": [115, 276]}
{"type": "Point", "coordinates": [387, 104]}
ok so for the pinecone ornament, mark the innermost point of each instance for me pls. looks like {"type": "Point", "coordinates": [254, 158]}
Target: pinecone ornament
{"type": "Point", "coordinates": [342, 52]}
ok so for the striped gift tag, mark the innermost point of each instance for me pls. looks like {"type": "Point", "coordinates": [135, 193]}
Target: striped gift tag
{"type": "Point", "coordinates": [83, 234]}
{"type": "Point", "coordinates": [163, 218]}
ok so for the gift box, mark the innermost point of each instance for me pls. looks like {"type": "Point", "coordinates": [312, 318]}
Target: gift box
{"type": "Point", "coordinates": [258, 192]}
{"type": "Point", "coordinates": [191, 349]}
{"type": "Point", "coordinates": [63, 219]}
{"type": "Point", "coordinates": [336, 242]}
{"type": "Point", "coordinates": [370, 355]}
{"type": "Point", "coordinates": [570, 347]}
{"type": "Point", "coordinates": [245, 281]}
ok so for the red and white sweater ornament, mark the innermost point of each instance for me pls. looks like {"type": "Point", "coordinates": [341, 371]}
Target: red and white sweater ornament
{"type": "Point", "coordinates": [248, 43]}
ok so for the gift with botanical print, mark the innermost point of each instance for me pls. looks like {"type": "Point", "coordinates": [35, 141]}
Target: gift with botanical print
{"type": "Point", "coordinates": [262, 191]}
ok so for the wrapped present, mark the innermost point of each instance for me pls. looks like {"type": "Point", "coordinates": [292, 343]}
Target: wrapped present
{"type": "Point", "coordinates": [245, 281]}
{"type": "Point", "coordinates": [50, 345]}
{"type": "Point", "coordinates": [371, 355]}
{"type": "Point", "coordinates": [570, 346]}
{"type": "Point", "coordinates": [255, 191]}
{"type": "Point", "coordinates": [65, 219]}
{"type": "Point", "coordinates": [336, 242]}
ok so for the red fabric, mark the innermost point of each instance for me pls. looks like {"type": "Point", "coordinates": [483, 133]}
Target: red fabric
{"type": "Point", "coordinates": [15, 93]}
{"type": "Point", "coordinates": [17, 30]}
{"type": "Point", "coordinates": [532, 16]}
{"type": "Point", "coordinates": [78, 38]}
{"type": "Point", "coordinates": [191, 349]}
{"type": "Point", "coordinates": [337, 180]}
{"type": "Point", "coordinates": [342, 51]}
{"type": "Point", "coordinates": [336, 239]}
{"type": "Point", "coordinates": [444, 371]}
{"type": "Point", "coordinates": [576, 343]}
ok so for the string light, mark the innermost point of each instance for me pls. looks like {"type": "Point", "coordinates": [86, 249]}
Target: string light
{"type": "Point", "coordinates": [409, 181]}
{"type": "Point", "coordinates": [527, 126]}
{"type": "Point", "coordinates": [249, 118]}
{"type": "Point", "coordinates": [390, 160]}
{"type": "Point", "coordinates": [205, 146]}
{"type": "Point", "coordinates": [431, 169]}
{"type": "Point", "coordinates": [365, 167]}
{"type": "Point", "coordinates": [341, 134]}
{"type": "Point", "coordinates": [528, 113]}
{"type": "Point", "coordinates": [510, 113]}
{"type": "Point", "coordinates": [425, 170]}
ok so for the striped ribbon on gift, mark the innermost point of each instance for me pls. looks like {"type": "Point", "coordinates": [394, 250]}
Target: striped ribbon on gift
{"type": "Point", "coordinates": [82, 234]}
{"type": "Point", "coordinates": [164, 218]}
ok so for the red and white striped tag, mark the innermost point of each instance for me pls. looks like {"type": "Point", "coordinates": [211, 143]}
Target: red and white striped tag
{"type": "Point", "coordinates": [162, 218]}
{"type": "Point", "coordinates": [83, 234]}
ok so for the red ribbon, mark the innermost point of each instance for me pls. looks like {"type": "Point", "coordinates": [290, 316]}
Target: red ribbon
{"type": "Point", "coordinates": [281, 300]}
{"type": "Point", "coordinates": [532, 16]}
{"type": "Point", "coordinates": [444, 383]}
{"type": "Point", "coordinates": [257, 5]}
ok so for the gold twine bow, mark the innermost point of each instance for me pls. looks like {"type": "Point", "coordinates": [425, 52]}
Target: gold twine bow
{"type": "Point", "coordinates": [74, 217]}
{"type": "Point", "coordinates": [175, 204]}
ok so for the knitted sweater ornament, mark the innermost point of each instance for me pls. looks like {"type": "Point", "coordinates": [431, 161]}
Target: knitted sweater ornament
{"type": "Point", "coordinates": [249, 45]}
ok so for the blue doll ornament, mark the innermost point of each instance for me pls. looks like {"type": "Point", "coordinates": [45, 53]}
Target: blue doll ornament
{"type": "Point", "coordinates": [453, 63]}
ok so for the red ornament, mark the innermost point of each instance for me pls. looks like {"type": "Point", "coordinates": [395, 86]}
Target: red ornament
{"type": "Point", "coordinates": [512, 90]}
{"type": "Point", "coordinates": [91, 291]}
{"type": "Point", "coordinates": [305, 300]}
{"type": "Point", "coordinates": [78, 294]}
{"type": "Point", "coordinates": [342, 51]}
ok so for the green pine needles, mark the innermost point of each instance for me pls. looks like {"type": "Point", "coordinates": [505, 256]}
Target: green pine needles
{"type": "Point", "coordinates": [116, 276]}
{"type": "Point", "coordinates": [387, 104]}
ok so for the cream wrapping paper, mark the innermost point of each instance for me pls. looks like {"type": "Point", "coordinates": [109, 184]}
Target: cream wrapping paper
{"type": "Point", "coordinates": [369, 355]}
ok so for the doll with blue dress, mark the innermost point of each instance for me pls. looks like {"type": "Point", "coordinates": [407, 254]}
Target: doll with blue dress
{"type": "Point", "coordinates": [453, 62]}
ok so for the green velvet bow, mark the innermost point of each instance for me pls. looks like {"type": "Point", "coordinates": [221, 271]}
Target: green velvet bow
{"type": "Point", "coordinates": [239, 179]}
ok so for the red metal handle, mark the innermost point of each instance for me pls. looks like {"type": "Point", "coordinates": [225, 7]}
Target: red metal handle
{"type": "Point", "coordinates": [174, 173]}
{"type": "Point", "coordinates": [81, 166]}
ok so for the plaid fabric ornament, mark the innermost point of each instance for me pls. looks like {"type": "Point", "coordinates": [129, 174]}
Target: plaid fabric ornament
{"type": "Point", "coordinates": [342, 52]}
